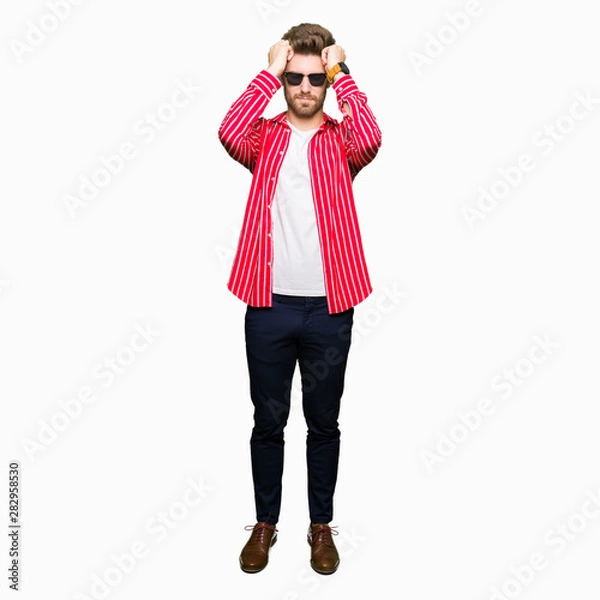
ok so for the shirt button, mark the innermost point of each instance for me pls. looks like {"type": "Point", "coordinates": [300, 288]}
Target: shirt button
{"type": "Point", "coordinates": [269, 264]}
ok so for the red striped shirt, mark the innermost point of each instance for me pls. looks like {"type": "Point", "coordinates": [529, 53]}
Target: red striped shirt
{"type": "Point", "coordinates": [337, 152]}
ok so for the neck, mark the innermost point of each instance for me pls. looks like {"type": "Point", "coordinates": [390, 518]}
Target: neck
{"type": "Point", "coordinates": [305, 123]}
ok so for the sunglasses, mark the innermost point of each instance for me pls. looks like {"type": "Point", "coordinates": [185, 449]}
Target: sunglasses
{"type": "Point", "coordinates": [315, 79]}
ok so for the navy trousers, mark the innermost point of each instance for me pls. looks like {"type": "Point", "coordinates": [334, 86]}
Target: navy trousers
{"type": "Point", "coordinates": [296, 329]}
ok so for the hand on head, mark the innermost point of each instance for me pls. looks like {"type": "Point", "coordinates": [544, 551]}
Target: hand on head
{"type": "Point", "coordinates": [279, 56]}
{"type": "Point", "coordinates": [332, 55]}
{"type": "Point", "coordinates": [281, 53]}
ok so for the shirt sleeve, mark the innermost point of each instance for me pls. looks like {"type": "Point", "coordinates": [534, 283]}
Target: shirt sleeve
{"type": "Point", "coordinates": [241, 128]}
{"type": "Point", "coordinates": [362, 136]}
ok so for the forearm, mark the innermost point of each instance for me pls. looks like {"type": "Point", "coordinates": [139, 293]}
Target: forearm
{"type": "Point", "coordinates": [240, 129]}
{"type": "Point", "coordinates": [362, 133]}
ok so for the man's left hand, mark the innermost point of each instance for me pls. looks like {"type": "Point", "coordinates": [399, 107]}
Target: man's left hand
{"type": "Point", "coordinates": [332, 55]}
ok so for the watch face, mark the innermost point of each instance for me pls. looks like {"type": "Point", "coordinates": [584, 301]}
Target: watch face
{"type": "Point", "coordinates": [344, 68]}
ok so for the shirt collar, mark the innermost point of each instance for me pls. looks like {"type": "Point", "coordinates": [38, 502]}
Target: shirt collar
{"type": "Point", "coordinates": [281, 118]}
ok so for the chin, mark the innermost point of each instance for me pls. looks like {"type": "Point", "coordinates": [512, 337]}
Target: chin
{"type": "Point", "coordinates": [307, 111]}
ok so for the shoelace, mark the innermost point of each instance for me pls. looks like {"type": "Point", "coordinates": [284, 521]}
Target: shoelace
{"type": "Point", "coordinates": [322, 535]}
{"type": "Point", "coordinates": [259, 531]}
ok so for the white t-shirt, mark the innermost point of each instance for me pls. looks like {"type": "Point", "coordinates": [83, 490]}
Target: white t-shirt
{"type": "Point", "coordinates": [297, 262]}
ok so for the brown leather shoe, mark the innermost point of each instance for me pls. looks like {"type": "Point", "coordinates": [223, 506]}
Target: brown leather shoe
{"type": "Point", "coordinates": [255, 554]}
{"type": "Point", "coordinates": [324, 557]}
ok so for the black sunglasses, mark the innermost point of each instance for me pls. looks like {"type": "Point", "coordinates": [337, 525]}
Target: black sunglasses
{"type": "Point", "coordinates": [315, 79]}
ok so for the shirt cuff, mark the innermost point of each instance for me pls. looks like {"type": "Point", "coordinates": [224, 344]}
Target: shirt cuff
{"type": "Point", "coordinates": [344, 86]}
{"type": "Point", "coordinates": [267, 83]}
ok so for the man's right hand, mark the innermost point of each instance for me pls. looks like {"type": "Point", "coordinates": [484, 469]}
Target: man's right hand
{"type": "Point", "coordinates": [279, 55]}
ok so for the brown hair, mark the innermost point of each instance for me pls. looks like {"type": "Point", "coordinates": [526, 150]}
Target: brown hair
{"type": "Point", "coordinates": [309, 38]}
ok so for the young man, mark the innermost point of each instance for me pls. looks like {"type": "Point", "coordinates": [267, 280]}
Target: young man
{"type": "Point", "coordinates": [299, 267]}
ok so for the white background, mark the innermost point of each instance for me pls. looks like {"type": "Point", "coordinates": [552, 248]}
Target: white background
{"type": "Point", "coordinates": [154, 247]}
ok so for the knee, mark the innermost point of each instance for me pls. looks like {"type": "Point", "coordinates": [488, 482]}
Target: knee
{"type": "Point", "coordinates": [269, 427]}
{"type": "Point", "coordinates": [323, 431]}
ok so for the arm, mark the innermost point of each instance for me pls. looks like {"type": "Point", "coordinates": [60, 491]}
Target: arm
{"type": "Point", "coordinates": [241, 128]}
{"type": "Point", "coordinates": [362, 136]}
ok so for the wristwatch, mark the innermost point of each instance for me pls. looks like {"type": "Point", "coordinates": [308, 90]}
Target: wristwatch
{"type": "Point", "coordinates": [339, 67]}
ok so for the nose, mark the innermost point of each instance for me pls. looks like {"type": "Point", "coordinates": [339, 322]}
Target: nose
{"type": "Point", "coordinates": [305, 86]}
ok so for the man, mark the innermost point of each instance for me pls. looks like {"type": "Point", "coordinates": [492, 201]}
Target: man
{"type": "Point", "coordinates": [299, 267]}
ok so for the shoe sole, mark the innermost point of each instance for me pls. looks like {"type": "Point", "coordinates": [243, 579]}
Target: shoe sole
{"type": "Point", "coordinates": [251, 570]}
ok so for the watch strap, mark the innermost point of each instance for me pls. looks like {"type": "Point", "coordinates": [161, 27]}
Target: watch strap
{"type": "Point", "coordinates": [333, 72]}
